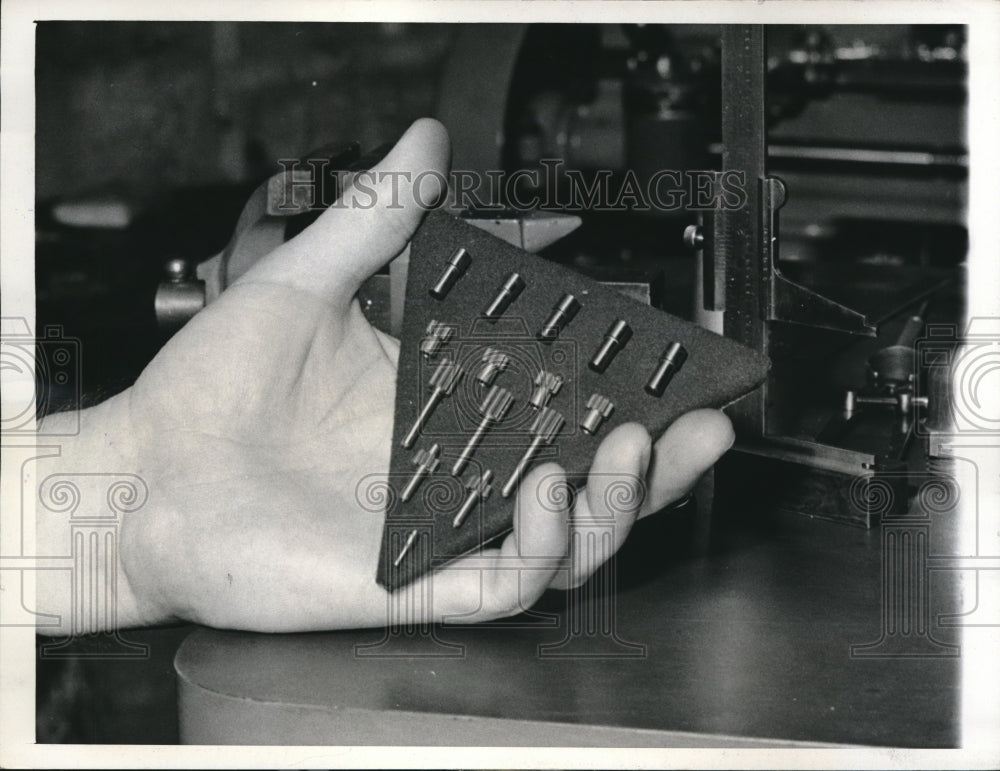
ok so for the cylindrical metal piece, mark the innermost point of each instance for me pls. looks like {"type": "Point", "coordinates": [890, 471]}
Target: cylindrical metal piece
{"type": "Point", "coordinates": [406, 548]}
{"type": "Point", "coordinates": [425, 413]}
{"type": "Point", "coordinates": [671, 361]}
{"type": "Point", "coordinates": [493, 363]}
{"type": "Point", "coordinates": [467, 505]}
{"type": "Point", "coordinates": [426, 462]}
{"type": "Point", "coordinates": [453, 271]}
{"type": "Point", "coordinates": [435, 336]}
{"type": "Point", "coordinates": [493, 408]}
{"type": "Point", "coordinates": [615, 338]}
{"type": "Point", "coordinates": [599, 409]}
{"type": "Point", "coordinates": [509, 291]}
{"type": "Point", "coordinates": [547, 385]}
{"type": "Point", "coordinates": [413, 483]}
{"type": "Point", "coordinates": [470, 446]}
{"type": "Point", "coordinates": [443, 381]}
{"type": "Point", "coordinates": [546, 426]}
{"type": "Point", "coordinates": [562, 314]}
{"type": "Point", "coordinates": [479, 488]}
{"type": "Point", "coordinates": [522, 466]}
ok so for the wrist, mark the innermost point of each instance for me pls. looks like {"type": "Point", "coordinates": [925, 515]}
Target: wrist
{"type": "Point", "coordinates": [85, 494]}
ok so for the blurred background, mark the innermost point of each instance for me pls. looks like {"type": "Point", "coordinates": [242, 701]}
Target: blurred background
{"type": "Point", "coordinates": [150, 137]}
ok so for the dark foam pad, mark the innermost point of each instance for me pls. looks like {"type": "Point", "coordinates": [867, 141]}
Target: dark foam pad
{"type": "Point", "coordinates": [716, 372]}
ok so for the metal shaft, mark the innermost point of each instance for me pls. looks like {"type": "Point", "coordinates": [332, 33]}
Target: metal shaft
{"type": "Point", "coordinates": [423, 417]}
{"type": "Point", "coordinates": [467, 505]}
{"type": "Point", "coordinates": [471, 445]}
{"type": "Point", "coordinates": [406, 548]}
{"type": "Point", "coordinates": [522, 466]}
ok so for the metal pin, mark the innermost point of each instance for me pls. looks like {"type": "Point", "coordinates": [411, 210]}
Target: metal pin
{"type": "Point", "coordinates": [426, 462]}
{"type": "Point", "coordinates": [453, 271]}
{"type": "Point", "coordinates": [671, 361]}
{"type": "Point", "coordinates": [406, 547]}
{"type": "Point", "coordinates": [547, 385]}
{"type": "Point", "coordinates": [442, 384]}
{"type": "Point", "coordinates": [435, 336]}
{"type": "Point", "coordinates": [494, 362]}
{"type": "Point", "coordinates": [509, 291]}
{"type": "Point", "coordinates": [599, 409]}
{"type": "Point", "coordinates": [548, 423]}
{"type": "Point", "coordinates": [562, 314]}
{"type": "Point", "coordinates": [615, 338]}
{"type": "Point", "coordinates": [479, 488]}
{"type": "Point", "coordinates": [493, 408]}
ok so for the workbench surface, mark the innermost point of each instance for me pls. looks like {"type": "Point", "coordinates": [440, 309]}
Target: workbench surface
{"type": "Point", "coordinates": [750, 641]}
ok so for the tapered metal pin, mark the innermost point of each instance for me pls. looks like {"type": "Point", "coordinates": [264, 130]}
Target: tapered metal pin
{"type": "Point", "coordinates": [443, 382]}
{"type": "Point", "coordinates": [493, 408]}
{"type": "Point", "coordinates": [410, 539]}
{"type": "Point", "coordinates": [479, 488]}
{"type": "Point", "coordinates": [548, 423]}
{"type": "Point", "coordinates": [426, 462]}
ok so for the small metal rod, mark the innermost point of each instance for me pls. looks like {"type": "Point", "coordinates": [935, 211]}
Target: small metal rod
{"type": "Point", "coordinates": [435, 399]}
{"type": "Point", "coordinates": [493, 408]}
{"type": "Point", "coordinates": [426, 462]}
{"type": "Point", "coordinates": [515, 477]}
{"type": "Point", "coordinates": [471, 445]}
{"type": "Point", "coordinates": [479, 488]}
{"type": "Point", "coordinates": [406, 548]}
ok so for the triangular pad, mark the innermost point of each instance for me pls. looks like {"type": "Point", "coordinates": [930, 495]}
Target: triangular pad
{"type": "Point", "coordinates": [716, 371]}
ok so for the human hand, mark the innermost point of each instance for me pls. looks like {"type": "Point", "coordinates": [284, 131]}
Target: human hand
{"type": "Point", "coordinates": [254, 424]}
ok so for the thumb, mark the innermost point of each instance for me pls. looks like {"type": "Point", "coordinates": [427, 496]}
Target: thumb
{"type": "Point", "coordinates": [370, 224]}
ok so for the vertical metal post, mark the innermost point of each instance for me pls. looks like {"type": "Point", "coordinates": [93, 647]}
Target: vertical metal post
{"type": "Point", "coordinates": [738, 232]}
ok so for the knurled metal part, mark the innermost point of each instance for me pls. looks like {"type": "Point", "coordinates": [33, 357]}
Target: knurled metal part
{"type": "Point", "coordinates": [599, 409]}
{"type": "Point", "coordinates": [494, 408]}
{"type": "Point", "coordinates": [436, 335]}
{"type": "Point", "coordinates": [496, 403]}
{"type": "Point", "coordinates": [443, 380]}
{"type": "Point", "coordinates": [547, 424]}
{"type": "Point", "coordinates": [547, 385]}
{"type": "Point", "coordinates": [480, 484]}
{"type": "Point", "coordinates": [446, 376]}
{"type": "Point", "coordinates": [493, 363]}
{"type": "Point", "coordinates": [427, 460]}
{"type": "Point", "coordinates": [479, 489]}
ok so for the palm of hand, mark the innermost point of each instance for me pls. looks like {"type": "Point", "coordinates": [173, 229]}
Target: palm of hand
{"type": "Point", "coordinates": [257, 422]}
